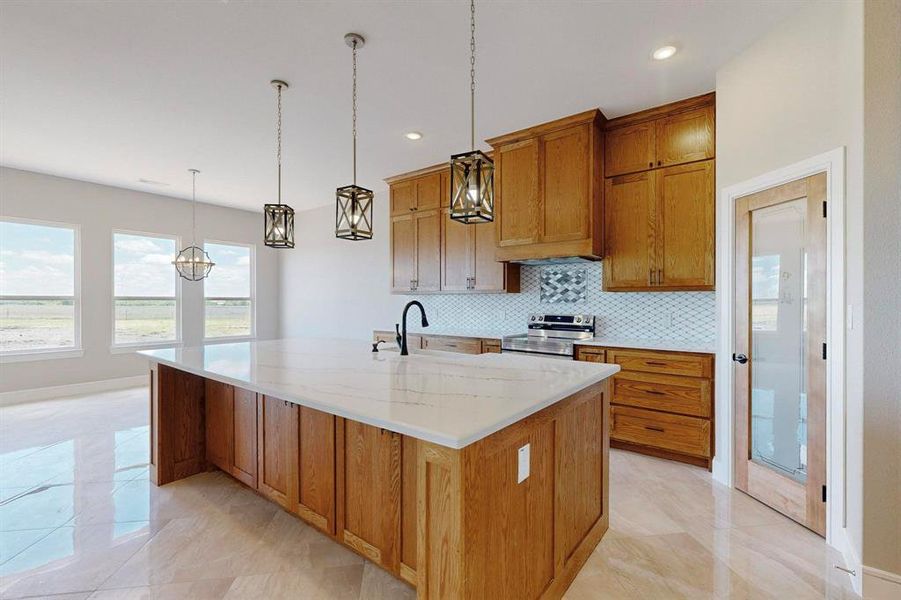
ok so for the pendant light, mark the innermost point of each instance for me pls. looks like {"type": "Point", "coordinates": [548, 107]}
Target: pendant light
{"type": "Point", "coordinates": [472, 173]}
{"type": "Point", "coordinates": [193, 263]}
{"type": "Point", "coordinates": [278, 227]}
{"type": "Point", "coordinates": [353, 210]}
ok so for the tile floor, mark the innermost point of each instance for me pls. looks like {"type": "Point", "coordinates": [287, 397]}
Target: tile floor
{"type": "Point", "coordinates": [79, 519]}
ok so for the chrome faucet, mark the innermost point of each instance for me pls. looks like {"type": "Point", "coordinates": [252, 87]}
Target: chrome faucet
{"type": "Point", "coordinates": [402, 334]}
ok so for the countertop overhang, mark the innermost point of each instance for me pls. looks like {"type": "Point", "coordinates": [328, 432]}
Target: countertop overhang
{"type": "Point", "coordinates": [445, 398]}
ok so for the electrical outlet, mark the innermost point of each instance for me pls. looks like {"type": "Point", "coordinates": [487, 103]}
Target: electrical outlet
{"type": "Point", "coordinates": [522, 472]}
{"type": "Point", "coordinates": [671, 319]}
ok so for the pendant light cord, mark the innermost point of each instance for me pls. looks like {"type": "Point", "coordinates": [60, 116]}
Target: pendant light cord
{"type": "Point", "coordinates": [193, 207]}
{"type": "Point", "coordinates": [355, 110]}
{"type": "Point", "coordinates": [279, 137]}
{"type": "Point", "coordinates": [472, 71]}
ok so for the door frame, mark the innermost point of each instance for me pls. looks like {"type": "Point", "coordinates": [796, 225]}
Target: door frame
{"type": "Point", "coordinates": [833, 164]}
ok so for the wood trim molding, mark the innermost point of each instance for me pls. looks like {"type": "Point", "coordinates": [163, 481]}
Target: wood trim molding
{"type": "Point", "coordinates": [594, 114]}
{"type": "Point", "coordinates": [708, 99]}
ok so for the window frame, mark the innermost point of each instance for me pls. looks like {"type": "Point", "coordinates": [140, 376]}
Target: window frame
{"type": "Point", "coordinates": [122, 348]}
{"type": "Point", "coordinates": [76, 350]}
{"type": "Point", "coordinates": [253, 295]}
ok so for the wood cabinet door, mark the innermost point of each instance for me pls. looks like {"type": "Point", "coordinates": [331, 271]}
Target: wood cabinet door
{"type": "Point", "coordinates": [403, 197]}
{"type": "Point", "coordinates": [427, 242]}
{"type": "Point", "coordinates": [566, 184]}
{"type": "Point", "coordinates": [219, 423]}
{"type": "Point", "coordinates": [403, 248]}
{"type": "Point", "coordinates": [456, 253]}
{"type": "Point", "coordinates": [685, 228]}
{"type": "Point", "coordinates": [488, 274]}
{"type": "Point", "coordinates": [629, 231]}
{"type": "Point", "coordinates": [244, 455]}
{"type": "Point", "coordinates": [409, 511]}
{"type": "Point", "coordinates": [685, 137]}
{"type": "Point", "coordinates": [316, 468]}
{"type": "Point", "coordinates": [516, 193]}
{"type": "Point", "coordinates": [277, 450]}
{"type": "Point", "coordinates": [428, 192]}
{"type": "Point", "coordinates": [630, 149]}
{"type": "Point", "coordinates": [372, 493]}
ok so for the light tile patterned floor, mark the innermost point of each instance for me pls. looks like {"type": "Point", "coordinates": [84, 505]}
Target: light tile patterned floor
{"type": "Point", "coordinates": [79, 519]}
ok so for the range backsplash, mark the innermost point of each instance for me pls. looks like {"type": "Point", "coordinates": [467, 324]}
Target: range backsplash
{"type": "Point", "coordinates": [576, 288]}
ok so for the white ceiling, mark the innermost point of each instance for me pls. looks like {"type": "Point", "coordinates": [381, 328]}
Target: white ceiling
{"type": "Point", "coordinates": [117, 92]}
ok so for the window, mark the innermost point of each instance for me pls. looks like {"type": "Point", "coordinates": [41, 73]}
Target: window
{"type": "Point", "coordinates": [228, 291]}
{"type": "Point", "coordinates": [39, 288]}
{"type": "Point", "coordinates": [765, 292]}
{"type": "Point", "coordinates": [145, 289]}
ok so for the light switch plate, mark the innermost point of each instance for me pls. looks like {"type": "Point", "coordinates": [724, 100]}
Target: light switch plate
{"type": "Point", "coordinates": [523, 467]}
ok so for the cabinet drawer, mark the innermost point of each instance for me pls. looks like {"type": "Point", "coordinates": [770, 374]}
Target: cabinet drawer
{"type": "Point", "coordinates": [688, 435]}
{"type": "Point", "coordinates": [491, 346]}
{"type": "Point", "coordinates": [452, 344]}
{"type": "Point", "coordinates": [667, 363]}
{"type": "Point", "coordinates": [683, 395]}
{"type": "Point", "coordinates": [590, 354]}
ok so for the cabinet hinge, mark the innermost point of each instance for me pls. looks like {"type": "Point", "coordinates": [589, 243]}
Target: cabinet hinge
{"type": "Point", "coordinates": [824, 493]}
{"type": "Point", "coordinates": [824, 209]}
{"type": "Point", "coordinates": [824, 350]}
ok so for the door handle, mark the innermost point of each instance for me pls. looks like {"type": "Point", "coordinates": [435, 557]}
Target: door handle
{"type": "Point", "coordinates": [740, 358]}
{"type": "Point", "coordinates": [658, 429]}
{"type": "Point", "coordinates": [659, 276]}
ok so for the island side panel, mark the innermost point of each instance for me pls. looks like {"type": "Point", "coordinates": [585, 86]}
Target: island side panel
{"type": "Point", "coordinates": [177, 424]}
{"type": "Point", "coordinates": [484, 534]}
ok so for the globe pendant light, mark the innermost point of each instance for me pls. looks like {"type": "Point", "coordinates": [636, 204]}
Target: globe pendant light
{"type": "Point", "coordinates": [278, 226]}
{"type": "Point", "coordinates": [353, 210]}
{"type": "Point", "coordinates": [472, 173]}
{"type": "Point", "coordinates": [193, 263]}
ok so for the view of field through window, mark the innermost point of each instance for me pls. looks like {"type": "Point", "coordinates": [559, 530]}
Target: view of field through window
{"type": "Point", "coordinates": [228, 308]}
{"type": "Point", "coordinates": [145, 289]}
{"type": "Point", "coordinates": [37, 287]}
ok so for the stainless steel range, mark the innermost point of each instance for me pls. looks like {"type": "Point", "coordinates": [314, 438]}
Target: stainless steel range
{"type": "Point", "coordinates": [551, 335]}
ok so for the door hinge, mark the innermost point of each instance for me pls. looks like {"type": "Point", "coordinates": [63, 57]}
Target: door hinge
{"type": "Point", "coordinates": [824, 493]}
{"type": "Point", "coordinates": [824, 350]}
{"type": "Point", "coordinates": [824, 209]}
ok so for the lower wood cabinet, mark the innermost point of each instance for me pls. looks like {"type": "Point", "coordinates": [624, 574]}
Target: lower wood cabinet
{"type": "Point", "coordinates": [277, 450]}
{"type": "Point", "coordinates": [231, 430]}
{"type": "Point", "coordinates": [408, 508]}
{"type": "Point", "coordinates": [315, 480]}
{"type": "Point", "coordinates": [244, 446]}
{"type": "Point", "coordinates": [452, 344]}
{"type": "Point", "coordinates": [370, 492]}
{"type": "Point", "coordinates": [590, 354]}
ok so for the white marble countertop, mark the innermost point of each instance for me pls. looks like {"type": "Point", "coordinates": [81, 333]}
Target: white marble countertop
{"type": "Point", "coordinates": [446, 398]}
{"type": "Point", "coordinates": [639, 344]}
{"type": "Point", "coordinates": [490, 334]}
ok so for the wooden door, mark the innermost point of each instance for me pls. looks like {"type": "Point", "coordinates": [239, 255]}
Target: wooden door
{"type": "Point", "coordinates": [685, 137]}
{"type": "Point", "coordinates": [372, 493]}
{"type": "Point", "coordinates": [244, 455]}
{"type": "Point", "coordinates": [316, 468]}
{"type": "Point", "coordinates": [277, 450]}
{"type": "Point", "coordinates": [427, 264]}
{"type": "Point", "coordinates": [428, 192]}
{"type": "Point", "coordinates": [403, 249]}
{"type": "Point", "coordinates": [456, 253]}
{"type": "Point", "coordinates": [630, 149]}
{"type": "Point", "coordinates": [219, 423]}
{"type": "Point", "coordinates": [488, 274]}
{"type": "Point", "coordinates": [780, 337]}
{"type": "Point", "coordinates": [629, 231]}
{"type": "Point", "coordinates": [409, 510]}
{"type": "Point", "coordinates": [403, 197]}
{"type": "Point", "coordinates": [516, 193]}
{"type": "Point", "coordinates": [566, 179]}
{"type": "Point", "coordinates": [685, 231]}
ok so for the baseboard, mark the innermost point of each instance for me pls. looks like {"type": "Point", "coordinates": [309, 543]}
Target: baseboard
{"type": "Point", "coordinates": [880, 585]}
{"type": "Point", "coordinates": [72, 389]}
{"type": "Point", "coordinates": [840, 541]}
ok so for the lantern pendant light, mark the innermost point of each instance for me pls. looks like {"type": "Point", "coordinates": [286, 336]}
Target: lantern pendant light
{"type": "Point", "coordinates": [472, 173]}
{"type": "Point", "coordinates": [278, 227]}
{"type": "Point", "coordinates": [193, 263]}
{"type": "Point", "coordinates": [353, 210]}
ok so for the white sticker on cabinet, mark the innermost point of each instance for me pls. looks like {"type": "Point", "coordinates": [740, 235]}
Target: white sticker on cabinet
{"type": "Point", "coordinates": [523, 470]}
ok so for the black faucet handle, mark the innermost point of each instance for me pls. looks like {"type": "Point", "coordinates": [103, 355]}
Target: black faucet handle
{"type": "Point", "coordinates": [375, 346]}
{"type": "Point", "coordinates": [398, 336]}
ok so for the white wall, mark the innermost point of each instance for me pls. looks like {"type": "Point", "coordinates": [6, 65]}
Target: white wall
{"type": "Point", "coordinates": [796, 93]}
{"type": "Point", "coordinates": [99, 209]}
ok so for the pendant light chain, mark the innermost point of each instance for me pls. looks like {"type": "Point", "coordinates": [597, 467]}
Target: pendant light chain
{"type": "Point", "coordinates": [279, 138]}
{"type": "Point", "coordinates": [355, 110]}
{"type": "Point", "coordinates": [472, 71]}
{"type": "Point", "coordinates": [193, 206]}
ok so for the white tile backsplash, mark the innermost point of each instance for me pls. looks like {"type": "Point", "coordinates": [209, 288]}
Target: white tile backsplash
{"type": "Point", "coordinates": [678, 316]}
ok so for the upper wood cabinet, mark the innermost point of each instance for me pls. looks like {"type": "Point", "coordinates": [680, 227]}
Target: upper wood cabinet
{"type": "Point", "coordinates": [430, 252]}
{"type": "Point", "coordinates": [660, 230]}
{"type": "Point", "coordinates": [548, 189]}
{"type": "Point", "coordinates": [672, 134]}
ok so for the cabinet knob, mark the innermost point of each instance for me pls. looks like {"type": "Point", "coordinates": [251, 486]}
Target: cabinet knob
{"type": "Point", "coordinates": [659, 163]}
{"type": "Point", "coordinates": [651, 164]}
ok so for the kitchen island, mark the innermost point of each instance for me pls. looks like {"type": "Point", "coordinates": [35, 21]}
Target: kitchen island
{"type": "Point", "coordinates": [468, 476]}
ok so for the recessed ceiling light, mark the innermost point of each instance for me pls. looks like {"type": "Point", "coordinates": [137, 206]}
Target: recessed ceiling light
{"type": "Point", "coordinates": [664, 52]}
{"type": "Point", "coordinates": [413, 135]}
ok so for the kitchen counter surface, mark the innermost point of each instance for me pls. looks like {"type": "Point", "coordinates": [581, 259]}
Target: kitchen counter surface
{"type": "Point", "coordinates": [487, 334]}
{"type": "Point", "coordinates": [639, 344]}
{"type": "Point", "coordinates": [445, 398]}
